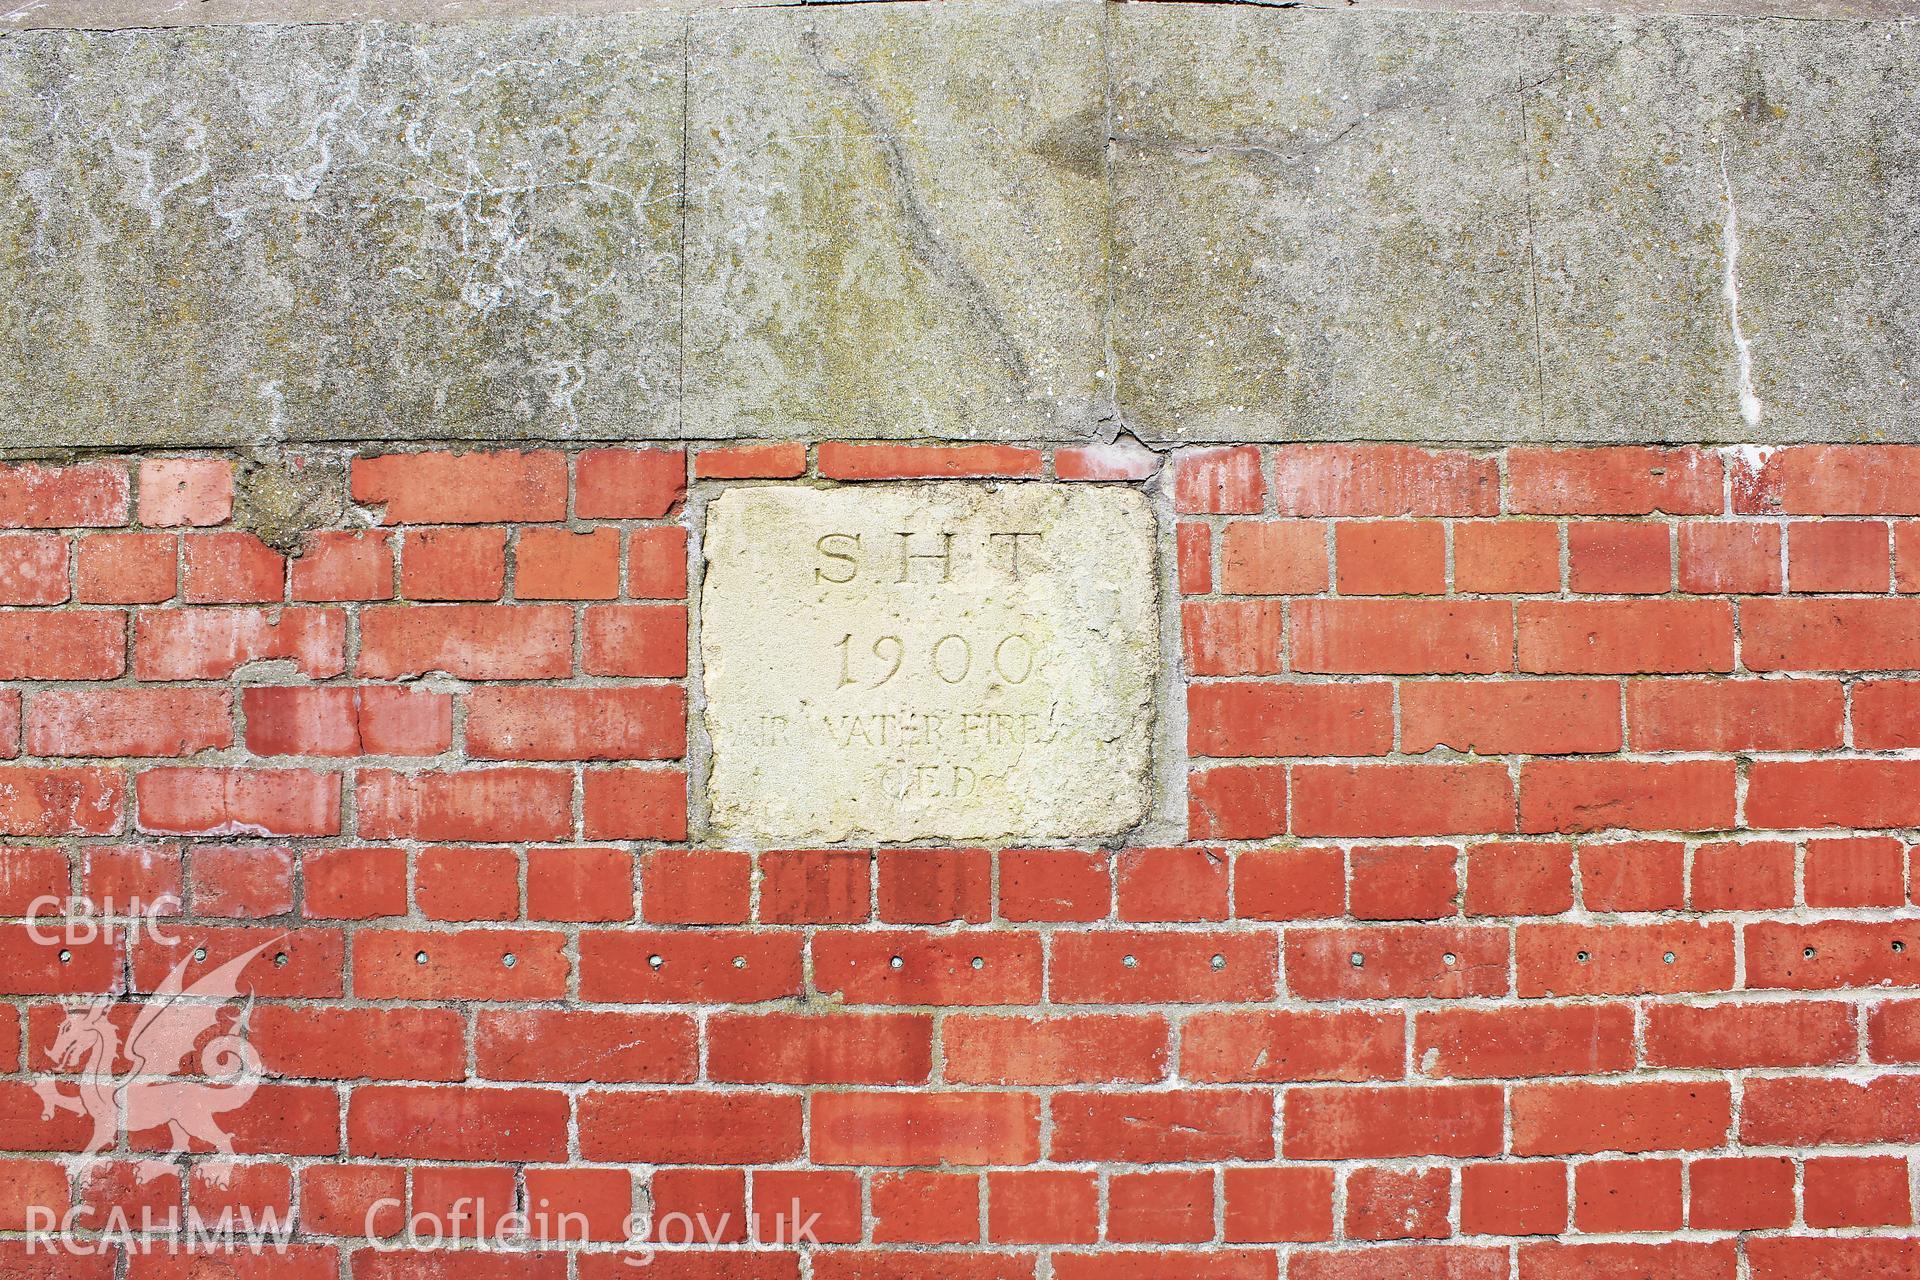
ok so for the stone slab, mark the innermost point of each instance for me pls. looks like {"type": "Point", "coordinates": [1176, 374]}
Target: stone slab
{"type": "Point", "coordinates": [896, 221]}
{"type": "Point", "coordinates": [333, 232]}
{"type": "Point", "coordinates": [951, 661]}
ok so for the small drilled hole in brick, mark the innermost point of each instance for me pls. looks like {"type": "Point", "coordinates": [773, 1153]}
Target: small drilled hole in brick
{"type": "Point", "coordinates": [279, 959]}
{"type": "Point", "coordinates": [1449, 958]}
{"type": "Point", "coordinates": [896, 962]}
{"type": "Point", "coordinates": [199, 953]}
{"type": "Point", "coordinates": [1899, 945]}
{"type": "Point", "coordinates": [978, 962]}
{"type": "Point", "coordinates": [1128, 961]}
{"type": "Point", "coordinates": [1219, 962]}
{"type": "Point", "coordinates": [1583, 957]}
{"type": "Point", "coordinates": [654, 962]}
{"type": "Point", "coordinates": [739, 962]}
{"type": "Point", "coordinates": [509, 960]}
{"type": "Point", "coordinates": [65, 955]}
{"type": "Point", "coordinates": [1668, 957]}
{"type": "Point", "coordinates": [1810, 952]}
{"type": "Point", "coordinates": [419, 957]}
{"type": "Point", "coordinates": [1358, 960]}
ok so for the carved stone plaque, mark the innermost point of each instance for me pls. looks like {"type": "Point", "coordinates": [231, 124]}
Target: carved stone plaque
{"type": "Point", "coordinates": [949, 661]}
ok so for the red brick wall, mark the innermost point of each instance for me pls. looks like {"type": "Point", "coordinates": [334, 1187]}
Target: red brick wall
{"type": "Point", "coordinates": [1548, 910]}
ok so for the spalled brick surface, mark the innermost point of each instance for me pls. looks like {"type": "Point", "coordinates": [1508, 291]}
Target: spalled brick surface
{"type": "Point", "coordinates": [1547, 906]}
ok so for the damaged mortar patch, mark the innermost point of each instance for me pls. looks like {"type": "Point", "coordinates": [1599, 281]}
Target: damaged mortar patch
{"type": "Point", "coordinates": [281, 498]}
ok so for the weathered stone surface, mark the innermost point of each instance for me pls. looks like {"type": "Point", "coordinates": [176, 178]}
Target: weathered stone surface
{"type": "Point", "coordinates": [1320, 224]}
{"type": "Point", "coordinates": [892, 664]}
{"type": "Point", "coordinates": [340, 232]}
{"type": "Point", "coordinates": [896, 221]}
{"type": "Point", "coordinates": [1706, 186]}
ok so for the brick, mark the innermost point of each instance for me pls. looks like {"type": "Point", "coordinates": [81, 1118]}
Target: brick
{"type": "Point", "coordinates": [125, 568]}
{"type": "Point", "coordinates": [1415, 637]}
{"type": "Point", "coordinates": [240, 881]}
{"type": "Point", "coordinates": [1402, 800]}
{"type": "Point", "coordinates": [1403, 882]}
{"type": "Point", "coordinates": [231, 568]}
{"type": "Point", "coordinates": [1404, 1262]}
{"type": "Point", "coordinates": [128, 722]}
{"type": "Point", "coordinates": [1730, 558]}
{"type": "Point", "coordinates": [1496, 717]}
{"type": "Point", "coordinates": [935, 886]}
{"type": "Point", "coordinates": [1886, 714]}
{"type": "Point", "coordinates": [1863, 871]}
{"type": "Point", "coordinates": [1278, 1204]}
{"type": "Point", "coordinates": [322, 1043]}
{"type": "Point", "coordinates": [1726, 1037]}
{"type": "Point", "coordinates": [1857, 1191]}
{"type": "Point", "coordinates": [1833, 793]}
{"type": "Point", "coordinates": [404, 964]}
{"type": "Point", "coordinates": [1893, 1031]}
{"type": "Point", "coordinates": [1839, 555]}
{"type": "Point", "coordinates": [355, 884]}
{"type": "Point", "coordinates": [33, 569]}
{"type": "Point", "coordinates": [1057, 885]}
{"type": "Point", "coordinates": [1119, 967]}
{"type": "Point", "coordinates": [213, 644]}
{"type": "Point", "coordinates": [347, 721]}
{"type": "Point", "coordinates": [1676, 1260]}
{"type": "Point", "coordinates": [1598, 795]}
{"type": "Point", "coordinates": [925, 1128]}
{"type": "Point", "coordinates": [586, 885]}
{"type": "Point", "coordinates": [483, 487]}
{"type": "Point", "coordinates": [783, 460]}
{"type": "Point", "coordinates": [1042, 1207]}
{"type": "Point", "coordinates": [1523, 1198]}
{"type": "Point", "coordinates": [1385, 1122]}
{"type": "Point", "coordinates": [1906, 555]}
{"type": "Point", "coordinates": [1507, 557]}
{"type": "Point", "coordinates": [580, 1204]}
{"type": "Point", "coordinates": [33, 967]}
{"type": "Point", "coordinates": [451, 1123]}
{"type": "Point", "coordinates": [1252, 1046]}
{"type": "Point", "coordinates": [1193, 552]}
{"type": "Point", "coordinates": [1622, 959]}
{"type": "Point", "coordinates": [1634, 875]}
{"type": "Point", "coordinates": [635, 640]}
{"type": "Point", "coordinates": [844, 460]}
{"type": "Point", "coordinates": [1512, 878]}
{"type": "Point", "coordinates": [828, 1048]}
{"type": "Point", "coordinates": [1399, 1204]}
{"type": "Point", "coordinates": [1627, 1195]}
{"type": "Point", "coordinates": [263, 802]}
{"type": "Point", "coordinates": [1605, 637]}
{"type": "Point", "coordinates": [28, 874]}
{"type": "Point", "coordinates": [578, 1046]}
{"type": "Point", "coordinates": [1143, 1264]}
{"type": "Point", "coordinates": [1384, 480]}
{"type": "Point", "coordinates": [1735, 715]}
{"type": "Point", "coordinates": [925, 1208]}
{"type": "Point", "coordinates": [690, 886]}
{"type": "Point", "coordinates": [42, 496]}
{"type": "Point", "coordinates": [1168, 884]}
{"type": "Point", "coordinates": [1385, 962]}
{"type": "Point", "coordinates": [823, 886]}
{"type": "Point", "coordinates": [1524, 1040]}
{"type": "Point", "coordinates": [1754, 875]}
{"type": "Point", "coordinates": [647, 722]}
{"type": "Point", "coordinates": [1390, 557]}
{"type": "Point", "coordinates": [1219, 481]}
{"type": "Point", "coordinates": [931, 968]}
{"type": "Point", "coordinates": [343, 564]}
{"type": "Point", "coordinates": [471, 641]}
{"type": "Point", "coordinates": [1124, 459]}
{"type": "Point", "coordinates": [1614, 481]}
{"type": "Point", "coordinates": [657, 563]}
{"type": "Point", "coordinates": [672, 966]}
{"type": "Point", "coordinates": [629, 484]}
{"type": "Point", "coordinates": [1792, 1111]}
{"type": "Point", "coordinates": [828, 1202]}
{"type": "Point", "coordinates": [1260, 719]}
{"type": "Point", "coordinates": [1272, 557]}
{"type": "Point", "coordinates": [467, 884]}
{"type": "Point", "coordinates": [556, 564]}
{"type": "Point", "coordinates": [68, 645]}
{"type": "Point", "coordinates": [1289, 884]}
{"type": "Point", "coordinates": [1178, 1125]}
{"type": "Point", "coordinates": [454, 564]}
{"type": "Point", "coordinates": [472, 804]}
{"type": "Point", "coordinates": [1741, 1193]}
{"type": "Point", "coordinates": [634, 804]}
{"type": "Point", "coordinates": [306, 964]}
{"type": "Point", "coordinates": [144, 876]}
{"type": "Point", "coordinates": [350, 1199]}
{"type": "Point", "coordinates": [1237, 802]}
{"type": "Point", "coordinates": [1580, 1117]}
{"type": "Point", "coordinates": [185, 491]}
{"type": "Point", "coordinates": [1830, 635]}
{"type": "Point", "coordinates": [1838, 480]}
{"type": "Point", "coordinates": [1619, 557]}
{"type": "Point", "coordinates": [1831, 955]}
{"type": "Point", "coordinates": [1056, 1050]}
{"type": "Point", "coordinates": [1232, 637]}
{"type": "Point", "coordinates": [1163, 1206]}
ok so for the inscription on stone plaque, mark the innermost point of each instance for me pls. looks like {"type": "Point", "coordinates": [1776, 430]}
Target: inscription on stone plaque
{"type": "Point", "coordinates": [951, 661]}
